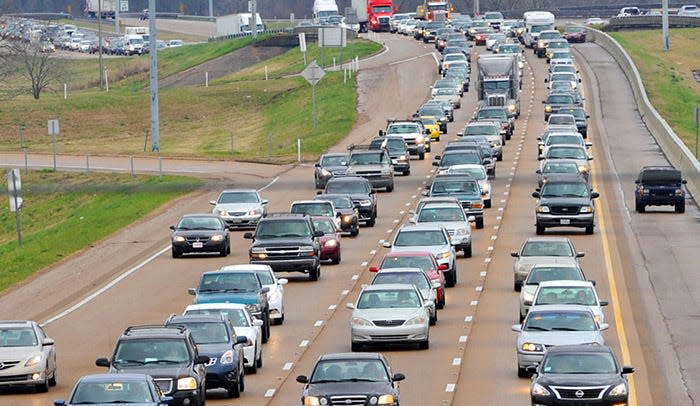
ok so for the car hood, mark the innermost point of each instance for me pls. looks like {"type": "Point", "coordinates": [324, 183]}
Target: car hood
{"type": "Point", "coordinates": [394, 313]}
{"type": "Point", "coordinates": [577, 201]}
{"type": "Point", "coordinates": [198, 233]}
{"type": "Point", "coordinates": [213, 350]}
{"type": "Point", "coordinates": [155, 370]}
{"type": "Point", "coordinates": [549, 338]}
{"type": "Point", "coordinates": [355, 168]}
{"type": "Point", "coordinates": [227, 297]}
{"type": "Point", "coordinates": [433, 249]}
{"type": "Point", "coordinates": [334, 168]}
{"type": "Point", "coordinates": [347, 388]}
{"type": "Point", "coordinates": [579, 379]}
{"type": "Point", "coordinates": [460, 197]}
{"type": "Point", "coordinates": [237, 206]}
{"type": "Point", "coordinates": [249, 332]}
{"type": "Point", "coordinates": [531, 261]}
{"type": "Point", "coordinates": [450, 225]}
{"type": "Point", "coordinates": [17, 353]}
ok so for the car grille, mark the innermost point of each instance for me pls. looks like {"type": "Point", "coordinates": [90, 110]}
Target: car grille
{"type": "Point", "coordinates": [451, 232]}
{"type": "Point", "coordinates": [340, 172]}
{"type": "Point", "coordinates": [388, 323]}
{"type": "Point", "coordinates": [389, 337]}
{"type": "Point", "coordinates": [564, 210]}
{"type": "Point", "coordinates": [349, 400]}
{"type": "Point", "coordinates": [15, 378]}
{"type": "Point", "coordinates": [383, 20]}
{"type": "Point", "coordinates": [195, 239]}
{"type": "Point", "coordinates": [410, 140]}
{"type": "Point", "coordinates": [8, 364]}
{"type": "Point", "coordinates": [584, 392]}
{"type": "Point", "coordinates": [369, 173]}
{"type": "Point", "coordinates": [165, 384]}
{"type": "Point", "coordinates": [498, 100]}
{"type": "Point", "coordinates": [466, 205]}
{"type": "Point", "coordinates": [282, 251]}
{"type": "Point", "coordinates": [237, 213]}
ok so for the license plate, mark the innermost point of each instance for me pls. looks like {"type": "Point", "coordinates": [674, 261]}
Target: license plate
{"type": "Point", "coordinates": [236, 220]}
{"type": "Point", "coordinates": [564, 221]}
{"type": "Point", "coordinates": [197, 244]}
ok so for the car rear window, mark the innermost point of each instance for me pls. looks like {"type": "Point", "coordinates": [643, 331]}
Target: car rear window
{"type": "Point", "coordinates": [660, 176]}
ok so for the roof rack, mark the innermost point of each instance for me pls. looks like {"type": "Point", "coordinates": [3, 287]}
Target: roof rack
{"type": "Point", "coordinates": [131, 329]}
{"type": "Point", "coordinates": [286, 214]}
{"type": "Point", "coordinates": [362, 147]}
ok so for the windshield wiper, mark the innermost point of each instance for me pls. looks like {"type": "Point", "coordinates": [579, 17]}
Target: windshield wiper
{"type": "Point", "coordinates": [130, 361]}
{"type": "Point", "coordinates": [164, 361]}
{"type": "Point", "coordinates": [565, 329]}
{"type": "Point", "coordinates": [538, 328]}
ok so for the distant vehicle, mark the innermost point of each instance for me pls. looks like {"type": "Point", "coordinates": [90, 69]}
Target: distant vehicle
{"type": "Point", "coordinates": [536, 250]}
{"type": "Point", "coordinates": [374, 15]}
{"type": "Point", "coordinates": [107, 8]}
{"type": "Point", "coordinates": [593, 21]}
{"type": "Point", "coordinates": [658, 186]}
{"type": "Point", "coordinates": [174, 43]}
{"type": "Point", "coordinates": [536, 22]}
{"type": "Point", "coordinates": [238, 24]}
{"type": "Point", "coordinates": [200, 233]}
{"type": "Point", "coordinates": [322, 9]}
{"type": "Point", "coordinates": [123, 389]}
{"type": "Point", "coordinates": [629, 11]}
{"type": "Point", "coordinates": [689, 11]}
{"type": "Point", "coordinates": [240, 208]}
{"type": "Point", "coordinates": [28, 355]}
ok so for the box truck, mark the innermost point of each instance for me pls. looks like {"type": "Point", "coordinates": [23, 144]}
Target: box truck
{"type": "Point", "coordinates": [92, 8]}
{"type": "Point", "coordinates": [237, 24]}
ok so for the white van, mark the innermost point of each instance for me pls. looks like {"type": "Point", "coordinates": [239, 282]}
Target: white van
{"type": "Point", "coordinates": [133, 44]}
{"type": "Point", "coordinates": [536, 22]}
{"type": "Point", "coordinates": [629, 11]}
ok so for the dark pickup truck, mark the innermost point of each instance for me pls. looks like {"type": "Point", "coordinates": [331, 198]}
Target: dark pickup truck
{"type": "Point", "coordinates": [659, 186]}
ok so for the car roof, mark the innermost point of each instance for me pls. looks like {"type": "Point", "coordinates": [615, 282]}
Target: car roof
{"type": "Point", "coordinates": [214, 306]}
{"type": "Point", "coordinates": [558, 308]}
{"type": "Point", "coordinates": [348, 179]}
{"type": "Point", "coordinates": [194, 318]}
{"type": "Point", "coordinates": [153, 331]}
{"type": "Point", "coordinates": [113, 377]}
{"type": "Point", "coordinates": [401, 270]}
{"type": "Point", "coordinates": [314, 201]}
{"type": "Point", "coordinates": [442, 205]}
{"type": "Point", "coordinates": [566, 283]}
{"type": "Point", "coordinates": [547, 239]}
{"type": "Point", "coordinates": [408, 254]}
{"type": "Point", "coordinates": [579, 348]}
{"type": "Point", "coordinates": [334, 154]}
{"type": "Point", "coordinates": [239, 190]}
{"type": "Point", "coordinates": [350, 355]}
{"type": "Point", "coordinates": [200, 215]}
{"type": "Point", "coordinates": [423, 226]}
{"type": "Point", "coordinates": [243, 267]}
{"type": "Point", "coordinates": [565, 178]}
{"type": "Point", "coordinates": [394, 286]}
{"type": "Point", "coordinates": [16, 323]}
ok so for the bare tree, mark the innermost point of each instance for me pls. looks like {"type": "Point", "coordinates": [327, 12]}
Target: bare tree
{"type": "Point", "coordinates": [31, 62]}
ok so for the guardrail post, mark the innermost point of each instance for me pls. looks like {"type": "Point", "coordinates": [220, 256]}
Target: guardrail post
{"type": "Point", "coordinates": [131, 164]}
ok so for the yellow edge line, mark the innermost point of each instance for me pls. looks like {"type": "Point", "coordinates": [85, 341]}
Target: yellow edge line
{"type": "Point", "coordinates": [626, 358]}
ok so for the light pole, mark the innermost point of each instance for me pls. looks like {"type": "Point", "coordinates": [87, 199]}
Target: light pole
{"type": "Point", "coordinates": [153, 55]}
{"type": "Point", "coordinates": [99, 41]}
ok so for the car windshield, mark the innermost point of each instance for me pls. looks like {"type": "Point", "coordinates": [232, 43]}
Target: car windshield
{"type": "Point", "coordinates": [561, 119]}
{"type": "Point", "coordinates": [491, 85]}
{"type": "Point", "coordinates": [412, 278]}
{"type": "Point", "coordinates": [560, 99]}
{"type": "Point", "coordinates": [478, 173]}
{"type": "Point", "coordinates": [432, 214]}
{"type": "Point", "coordinates": [361, 370]}
{"type": "Point", "coordinates": [584, 363]}
{"type": "Point", "coordinates": [542, 274]}
{"type": "Point", "coordinates": [367, 159]}
{"type": "Point", "coordinates": [229, 282]}
{"type": "Point", "coordinates": [282, 228]}
{"type": "Point", "coordinates": [151, 351]}
{"type": "Point", "coordinates": [559, 321]}
{"type": "Point", "coordinates": [547, 249]}
{"type": "Point", "coordinates": [422, 262]}
{"type": "Point", "coordinates": [17, 337]}
{"type": "Point", "coordinates": [575, 29]}
{"type": "Point", "coordinates": [460, 158]}
{"type": "Point", "coordinates": [420, 238]}
{"type": "Point", "coordinates": [265, 277]}
{"type": "Point", "coordinates": [549, 35]}
{"type": "Point", "coordinates": [481, 130]}
{"type": "Point", "coordinates": [326, 226]}
{"type": "Point", "coordinates": [558, 44]}
{"type": "Point", "coordinates": [567, 153]}
{"type": "Point", "coordinates": [403, 129]}
{"type": "Point", "coordinates": [583, 295]}
{"type": "Point", "coordinates": [553, 167]}
{"type": "Point", "coordinates": [238, 197]}
{"type": "Point", "coordinates": [485, 114]}
{"type": "Point", "coordinates": [571, 77]}
{"type": "Point", "coordinates": [561, 85]}
{"type": "Point", "coordinates": [199, 223]}
{"type": "Point", "coordinates": [564, 139]}
{"type": "Point", "coordinates": [660, 177]}
{"type": "Point", "coordinates": [509, 49]}
{"type": "Point", "coordinates": [429, 111]}
{"type": "Point", "coordinates": [445, 92]}
{"type": "Point", "coordinates": [340, 202]}
{"type": "Point", "coordinates": [333, 160]}
{"type": "Point", "coordinates": [313, 209]}
{"type": "Point", "coordinates": [235, 316]}
{"type": "Point", "coordinates": [208, 333]}
{"type": "Point", "coordinates": [346, 187]}
{"type": "Point", "coordinates": [114, 391]}
{"type": "Point", "coordinates": [381, 299]}
{"type": "Point", "coordinates": [448, 187]}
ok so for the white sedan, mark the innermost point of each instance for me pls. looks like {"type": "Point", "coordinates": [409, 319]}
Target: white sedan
{"type": "Point", "coordinates": [275, 296]}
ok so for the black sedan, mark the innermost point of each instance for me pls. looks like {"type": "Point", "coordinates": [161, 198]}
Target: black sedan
{"type": "Point", "coordinates": [348, 213]}
{"type": "Point", "coordinates": [579, 374]}
{"type": "Point", "coordinates": [330, 165]}
{"type": "Point", "coordinates": [200, 233]}
{"type": "Point", "coordinates": [348, 377]}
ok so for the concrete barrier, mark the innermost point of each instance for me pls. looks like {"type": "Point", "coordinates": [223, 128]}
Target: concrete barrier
{"type": "Point", "coordinates": [677, 153]}
{"type": "Point", "coordinates": [651, 21]}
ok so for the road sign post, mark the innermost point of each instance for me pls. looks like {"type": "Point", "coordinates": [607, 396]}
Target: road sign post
{"type": "Point", "coordinates": [313, 74]}
{"type": "Point", "coordinates": [14, 187]}
{"type": "Point", "coordinates": [697, 124]}
{"type": "Point", "coordinates": [53, 132]}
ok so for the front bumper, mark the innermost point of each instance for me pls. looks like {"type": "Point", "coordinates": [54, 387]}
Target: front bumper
{"type": "Point", "coordinates": [552, 400]}
{"type": "Point", "coordinates": [241, 221]}
{"type": "Point", "coordinates": [25, 378]}
{"type": "Point", "coordinates": [416, 149]}
{"type": "Point", "coordinates": [579, 220]}
{"type": "Point", "coordinates": [400, 166]}
{"type": "Point", "coordinates": [329, 252]}
{"type": "Point", "coordinates": [525, 359]}
{"type": "Point", "coordinates": [249, 355]}
{"type": "Point", "coordinates": [289, 265]}
{"type": "Point", "coordinates": [379, 335]}
{"type": "Point", "coordinates": [651, 200]}
{"type": "Point", "coordinates": [461, 242]}
{"type": "Point", "coordinates": [209, 246]}
{"type": "Point", "coordinates": [222, 376]}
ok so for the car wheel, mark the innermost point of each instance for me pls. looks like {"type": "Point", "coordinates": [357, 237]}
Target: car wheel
{"type": "Point", "coordinates": [234, 391]}
{"type": "Point", "coordinates": [441, 302]}
{"type": "Point", "coordinates": [372, 221]}
{"type": "Point", "coordinates": [424, 345]}
{"type": "Point", "coordinates": [241, 382]}
{"type": "Point", "coordinates": [539, 229]}
{"type": "Point", "coordinates": [421, 156]}
{"type": "Point", "coordinates": [52, 380]}
{"type": "Point", "coordinates": [499, 158]}
{"type": "Point", "coordinates": [487, 203]}
{"type": "Point", "coordinates": [253, 369]}
{"type": "Point", "coordinates": [480, 223]}
{"type": "Point", "coordinates": [468, 251]}
{"type": "Point", "coordinates": [680, 207]}
{"type": "Point", "coordinates": [355, 231]}
{"type": "Point", "coordinates": [228, 247]}
{"type": "Point", "coordinates": [406, 173]}
{"type": "Point", "coordinates": [42, 387]}
{"type": "Point", "coordinates": [176, 253]}
{"type": "Point", "coordinates": [315, 274]}
{"type": "Point", "coordinates": [266, 330]}
{"type": "Point", "coordinates": [433, 320]}
{"type": "Point", "coordinates": [639, 207]}
{"type": "Point", "coordinates": [522, 373]}
{"type": "Point", "coordinates": [355, 347]}
{"type": "Point", "coordinates": [589, 229]}
{"type": "Point", "coordinates": [451, 278]}
{"type": "Point", "coordinates": [223, 252]}
{"type": "Point", "coordinates": [259, 361]}
{"type": "Point", "coordinates": [517, 286]}
{"type": "Point", "coordinates": [336, 260]}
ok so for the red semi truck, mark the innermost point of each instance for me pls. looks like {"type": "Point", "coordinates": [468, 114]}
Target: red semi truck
{"type": "Point", "coordinates": [374, 15]}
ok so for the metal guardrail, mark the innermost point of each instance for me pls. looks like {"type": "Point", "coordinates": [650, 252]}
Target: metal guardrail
{"type": "Point", "coordinates": [244, 34]}
{"type": "Point", "coordinates": [651, 21]}
{"type": "Point", "coordinates": [677, 153]}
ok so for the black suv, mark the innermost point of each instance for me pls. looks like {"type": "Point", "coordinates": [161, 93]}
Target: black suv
{"type": "Point", "coordinates": [659, 186]}
{"type": "Point", "coordinates": [287, 243]}
{"type": "Point", "coordinates": [216, 338]}
{"type": "Point", "coordinates": [398, 152]}
{"type": "Point", "coordinates": [361, 192]}
{"type": "Point", "coordinates": [565, 201]}
{"type": "Point", "coordinates": [169, 355]}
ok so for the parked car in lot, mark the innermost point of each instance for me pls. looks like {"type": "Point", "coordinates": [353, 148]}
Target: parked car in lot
{"type": "Point", "coordinates": [123, 389]}
{"type": "Point", "coordinates": [200, 233]}
{"type": "Point", "coordinates": [348, 377]}
{"type": "Point", "coordinates": [390, 313]}
{"type": "Point", "coordinates": [27, 354]}
{"type": "Point", "coordinates": [535, 250]}
{"type": "Point", "coordinates": [659, 186]}
{"type": "Point", "coordinates": [240, 208]}
{"type": "Point", "coordinates": [576, 374]}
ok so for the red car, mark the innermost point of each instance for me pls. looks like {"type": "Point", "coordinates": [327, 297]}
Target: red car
{"type": "Point", "coordinates": [480, 39]}
{"type": "Point", "coordinates": [330, 241]}
{"type": "Point", "coordinates": [417, 259]}
{"type": "Point", "coordinates": [575, 33]}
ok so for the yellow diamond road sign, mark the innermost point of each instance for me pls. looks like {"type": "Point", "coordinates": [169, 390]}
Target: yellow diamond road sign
{"type": "Point", "coordinates": [313, 73]}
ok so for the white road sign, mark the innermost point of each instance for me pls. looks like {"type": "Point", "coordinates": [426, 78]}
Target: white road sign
{"type": "Point", "coordinates": [313, 73]}
{"type": "Point", "coordinates": [14, 187]}
{"type": "Point", "coordinates": [53, 127]}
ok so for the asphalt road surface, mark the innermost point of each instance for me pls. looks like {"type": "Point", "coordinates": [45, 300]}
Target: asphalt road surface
{"type": "Point", "coordinates": [642, 263]}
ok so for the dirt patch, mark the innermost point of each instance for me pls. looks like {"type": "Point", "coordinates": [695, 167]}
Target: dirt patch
{"type": "Point", "coordinates": [231, 62]}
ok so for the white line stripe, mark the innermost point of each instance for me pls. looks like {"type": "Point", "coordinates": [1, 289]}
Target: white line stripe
{"type": "Point", "coordinates": [456, 361]}
{"type": "Point", "coordinates": [270, 393]}
{"type": "Point", "coordinates": [450, 387]}
{"type": "Point", "coordinates": [105, 288]}
{"type": "Point", "coordinates": [354, 277]}
{"type": "Point", "coordinates": [482, 273]}
{"type": "Point", "coordinates": [332, 307]}
{"type": "Point", "coordinates": [462, 339]}
{"type": "Point", "coordinates": [372, 252]}
{"type": "Point", "coordinates": [318, 323]}
{"type": "Point", "coordinates": [474, 303]}
{"type": "Point", "coordinates": [304, 343]}
{"type": "Point", "coordinates": [364, 263]}
{"type": "Point", "coordinates": [272, 182]}
{"type": "Point", "coordinates": [345, 292]}
{"type": "Point", "coordinates": [468, 319]}
{"type": "Point", "coordinates": [287, 366]}
{"type": "Point", "coordinates": [479, 288]}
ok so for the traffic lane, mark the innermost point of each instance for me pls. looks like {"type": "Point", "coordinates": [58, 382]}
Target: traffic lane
{"type": "Point", "coordinates": [661, 243]}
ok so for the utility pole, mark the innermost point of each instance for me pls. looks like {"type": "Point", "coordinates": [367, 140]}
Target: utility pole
{"type": "Point", "coordinates": [99, 42]}
{"type": "Point", "coordinates": [211, 9]}
{"type": "Point", "coordinates": [664, 25]}
{"type": "Point", "coordinates": [254, 17]}
{"type": "Point", "coordinates": [116, 16]}
{"type": "Point", "coordinates": [153, 54]}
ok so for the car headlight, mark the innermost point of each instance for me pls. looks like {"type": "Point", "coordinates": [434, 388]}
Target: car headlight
{"type": "Point", "coordinates": [306, 250]}
{"type": "Point", "coordinates": [385, 400]}
{"type": "Point", "coordinates": [485, 188]}
{"type": "Point", "coordinates": [540, 44]}
{"type": "Point", "coordinates": [531, 347]}
{"type": "Point", "coordinates": [461, 231]}
{"type": "Point", "coordinates": [443, 119]}
{"type": "Point", "coordinates": [313, 400]}
{"type": "Point", "coordinates": [528, 297]}
{"type": "Point", "coordinates": [583, 168]}
{"type": "Point", "coordinates": [331, 243]}
{"type": "Point", "coordinates": [511, 108]}
{"type": "Point", "coordinates": [217, 237]}
{"type": "Point", "coordinates": [419, 139]}
{"type": "Point", "coordinates": [443, 255]}
{"type": "Point", "coordinates": [253, 307]}
{"type": "Point", "coordinates": [179, 238]}
{"type": "Point", "coordinates": [365, 202]}
{"type": "Point", "coordinates": [226, 358]}
{"type": "Point", "coordinates": [543, 209]}
{"type": "Point", "coordinates": [421, 319]}
{"type": "Point", "coordinates": [359, 321]}
{"type": "Point", "coordinates": [347, 218]}
{"type": "Point", "coordinates": [34, 360]}
{"type": "Point", "coordinates": [548, 109]}
{"type": "Point", "coordinates": [402, 158]}
{"type": "Point", "coordinates": [188, 383]}
{"type": "Point", "coordinates": [255, 212]}
{"type": "Point", "coordinates": [222, 212]}
{"type": "Point", "coordinates": [619, 390]}
{"type": "Point", "coordinates": [539, 390]}
{"type": "Point", "coordinates": [586, 209]}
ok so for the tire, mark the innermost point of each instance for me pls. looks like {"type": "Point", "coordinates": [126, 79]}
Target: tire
{"type": "Point", "coordinates": [522, 373]}
{"type": "Point", "coordinates": [539, 230]}
{"type": "Point", "coordinates": [451, 278]}
{"type": "Point", "coordinates": [241, 382]}
{"type": "Point", "coordinates": [487, 204]}
{"type": "Point", "coordinates": [234, 391]}
{"type": "Point", "coordinates": [468, 252]}
{"type": "Point", "coordinates": [433, 320]}
{"type": "Point", "coordinates": [176, 253]}
{"type": "Point", "coordinates": [254, 369]}
{"type": "Point", "coordinates": [406, 173]}
{"type": "Point", "coordinates": [336, 260]}
{"type": "Point", "coordinates": [441, 303]}
{"type": "Point", "coordinates": [372, 221]}
{"type": "Point", "coordinates": [639, 207]}
{"type": "Point", "coordinates": [265, 330]}
{"type": "Point", "coordinates": [355, 347]}
{"type": "Point", "coordinates": [259, 362]}
{"type": "Point", "coordinates": [42, 387]}
{"type": "Point", "coordinates": [355, 232]}
{"type": "Point", "coordinates": [499, 158]}
{"type": "Point", "coordinates": [589, 229]}
{"type": "Point", "coordinates": [315, 274]}
{"type": "Point", "coordinates": [390, 188]}
{"type": "Point", "coordinates": [437, 139]}
{"type": "Point", "coordinates": [52, 380]}
{"type": "Point", "coordinates": [228, 248]}
{"type": "Point", "coordinates": [517, 287]}
{"type": "Point", "coordinates": [480, 223]}
{"type": "Point", "coordinates": [223, 252]}
{"type": "Point", "coordinates": [424, 345]}
{"type": "Point", "coordinates": [421, 156]}
{"type": "Point", "coordinates": [680, 207]}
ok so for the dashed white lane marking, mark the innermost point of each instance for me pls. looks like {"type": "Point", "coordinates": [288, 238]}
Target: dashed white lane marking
{"type": "Point", "coordinates": [489, 248]}
{"type": "Point", "coordinates": [355, 277]}
{"type": "Point", "coordinates": [479, 288]}
{"type": "Point", "coordinates": [503, 200]}
{"type": "Point", "coordinates": [474, 303]}
{"type": "Point", "coordinates": [287, 366]}
{"type": "Point", "coordinates": [494, 237]}
{"type": "Point", "coordinates": [345, 292]}
{"type": "Point", "coordinates": [500, 209]}
{"type": "Point", "coordinates": [450, 387]}
{"type": "Point", "coordinates": [318, 323]}
{"type": "Point", "coordinates": [505, 193]}
{"type": "Point", "coordinates": [402, 212]}
{"type": "Point", "coordinates": [381, 241]}
{"type": "Point", "coordinates": [363, 264]}
{"type": "Point", "coordinates": [372, 252]}
{"type": "Point", "coordinates": [463, 339]}
{"type": "Point", "coordinates": [389, 230]}
{"type": "Point", "coordinates": [456, 361]}
{"type": "Point", "coordinates": [468, 319]}
{"type": "Point", "coordinates": [270, 393]}
{"type": "Point", "coordinates": [396, 221]}
{"type": "Point", "coordinates": [304, 343]}
{"type": "Point", "coordinates": [482, 273]}
{"type": "Point", "coordinates": [332, 307]}
{"type": "Point", "coordinates": [413, 196]}
{"type": "Point", "coordinates": [407, 204]}
{"type": "Point", "coordinates": [487, 260]}
{"type": "Point", "coordinates": [499, 218]}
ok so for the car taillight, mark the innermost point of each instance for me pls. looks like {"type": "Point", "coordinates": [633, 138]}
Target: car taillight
{"type": "Point", "coordinates": [680, 192]}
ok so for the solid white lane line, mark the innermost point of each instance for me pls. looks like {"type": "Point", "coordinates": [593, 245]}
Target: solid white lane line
{"type": "Point", "coordinates": [272, 182]}
{"type": "Point", "coordinates": [372, 252]}
{"type": "Point", "coordinates": [474, 303]}
{"type": "Point", "coordinates": [482, 273]}
{"type": "Point", "coordinates": [287, 366]}
{"type": "Point", "coordinates": [363, 264]}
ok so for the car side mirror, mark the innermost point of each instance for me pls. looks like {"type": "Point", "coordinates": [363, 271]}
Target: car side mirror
{"type": "Point", "coordinates": [427, 131]}
{"type": "Point", "coordinates": [265, 289]}
{"type": "Point", "coordinates": [684, 181]}
{"type": "Point", "coordinates": [425, 193]}
{"type": "Point", "coordinates": [172, 227]}
{"type": "Point", "coordinates": [592, 282]}
{"type": "Point", "coordinates": [544, 101]}
{"type": "Point", "coordinates": [386, 244]}
{"type": "Point", "coordinates": [318, 165]}
{"type": "Point", "coordinates": [531, 369]}
{"type": "Point", "coordinates": [59, 402]}
{"type": "Point", "coordinates": [102, 362]}
{"type": "Point", "coordinates": [318, 233]}
{"type": "Point", "coordinates": [436, 285]}
{"type": "Point", "coordinates": [536, 195]}
{"type": "Point", "coordinates": [595, 195]}
{"type": "Point", "coordinates": [580, 254]}
{"type": "Point", "coordinates": [258, 323]}
{"type": "Point", "coordinates": [442, 267]}
{"type": "Point", "coordinates": [201, 359]}
{"type": "Point", "coordinates": [282, 281]}
{"type": "Point", "coordinates": [398, 377]}
{"type": "Point", "coordinates": [460, 134]}
{"type": "Point", "coordinates": [471, 219]}
{"type": "Point", "coordinates": [212, 202]}
{"type": "Point", "coordinates": [192, 291]}
{"type": "Point", "coordinates": [349, 306]}
{"type": "Point", "coordinates": [590, 158]}
{"type": "Point", "coordinates": [636, 181]}
{"type": "Point", "coordinates": [603, 303]}
{"type": "Point", "coordinates": [539, 172]}
{"type": "Point", "coordinates": [604, 326]}
{"type": "Point", "coordinates": [373, 269]}
{"type": "Point", "coordinates": [241, 339]}
{"type": "Point", "coordinates": [381, 133]}
{"type": "Point", "coordinates": [412, 220]}
{"type": "Point", "coordinates": [514, 254]}
{"type": "Point", "coordinates": [627, 370]}
{"type": "Point", "coordinates": [546, 80]}
{"type": "Point", "coordinates": [48, 341]}
{"type": "Point", "coordinates": [264, 201]}
{"type": "Point", "coordinates": [436, 163]}
{"type": "Point", "coordinates": [248, 235]}
{"type": "Point", "coordinates": [516, 327]}
{"type": "Point", "coordinates": [302, 379]}
{"type": "Point", "coordinates": [540, 157]}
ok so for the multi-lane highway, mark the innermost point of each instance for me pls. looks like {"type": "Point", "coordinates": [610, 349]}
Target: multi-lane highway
{"type": "Point", "coordinates": [129, 279]}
